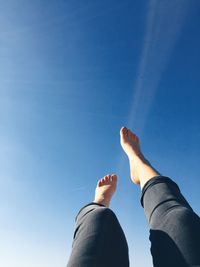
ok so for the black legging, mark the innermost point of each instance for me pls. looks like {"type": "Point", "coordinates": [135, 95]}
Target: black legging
{"type": "Point", "coordinates": [99, 240]}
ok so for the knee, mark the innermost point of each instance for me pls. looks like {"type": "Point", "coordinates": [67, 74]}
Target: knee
{"type": "Point", "coordinates": [103, 212]}
{"type": "Point", "coordinates": [176, 217]}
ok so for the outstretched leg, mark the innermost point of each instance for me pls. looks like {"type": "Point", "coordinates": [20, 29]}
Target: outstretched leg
{"type": "Point", "coordinates": [174, 227]}
{"type": "Point", "coordinates": [99, 239]}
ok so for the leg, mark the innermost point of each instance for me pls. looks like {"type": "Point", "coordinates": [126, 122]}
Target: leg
{"type": "Point", "coordinates": [174, 227]}
{"type": "Point", "coordinates": [99, 239]}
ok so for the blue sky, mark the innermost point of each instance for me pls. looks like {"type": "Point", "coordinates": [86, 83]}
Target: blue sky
{"type": "Point", "coordinates": [71, 74]}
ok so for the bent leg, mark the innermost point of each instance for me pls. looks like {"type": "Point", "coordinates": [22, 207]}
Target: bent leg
{"type": "Point", "coordinates": [175, 228]}
{"type": "Point", "coordinates": [98, 239]}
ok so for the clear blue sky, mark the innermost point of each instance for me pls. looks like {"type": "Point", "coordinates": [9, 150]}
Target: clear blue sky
{"type": "Point", "coordinates": [71, 74]}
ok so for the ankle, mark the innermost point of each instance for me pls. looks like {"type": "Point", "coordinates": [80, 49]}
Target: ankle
{"type": "Point", "coordinates": [102, 201]}
{"type": "Point", "coordinates": [142, 171]}
{"type": "Point", "coordinates": [146, 173]}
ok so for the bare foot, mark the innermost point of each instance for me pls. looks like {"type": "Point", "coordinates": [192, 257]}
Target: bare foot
{"type": "Point", "coordinates": [140, 169]}
{"type": "Point", "coordinates": [105, 189]}
{"type": "Point", "coordinates": [130, 143]}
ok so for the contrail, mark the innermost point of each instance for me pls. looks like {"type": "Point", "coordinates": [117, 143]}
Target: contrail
{"type": "Point", "coordinates": [164, 23]}
{"type": "Point", "coordinates": [81, 188]}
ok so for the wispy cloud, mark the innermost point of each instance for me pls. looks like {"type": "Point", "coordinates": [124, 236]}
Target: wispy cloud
{"type": "Point", "coordinates": [164, 23]}
{"type": "Point", "coordinates": [80, 188]}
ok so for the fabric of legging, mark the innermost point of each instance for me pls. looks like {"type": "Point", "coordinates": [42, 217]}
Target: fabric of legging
{"type": "Point", "coordinates": [99, 240]}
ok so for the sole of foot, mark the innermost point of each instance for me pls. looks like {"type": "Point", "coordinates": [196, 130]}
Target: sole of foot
{"type": "Point", "coordinates": [141, 170]}
{"type": "Point", "coordinates": [105, 189]}
{"type": "Point", "coordinates": [131, 146]}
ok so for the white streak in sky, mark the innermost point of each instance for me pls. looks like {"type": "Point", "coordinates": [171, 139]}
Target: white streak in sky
{"type": "Point", "coordinates": [81, 188]}
{"type": "Point", "coordinates": [164, 23]}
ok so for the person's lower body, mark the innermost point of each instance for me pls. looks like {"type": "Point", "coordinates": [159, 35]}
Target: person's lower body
{"type": "Point", "coordinates": [174, 228]}
{"type": "Point", "coordinates": [174, 231]}
{"type": "Point", "coordinates": [99, 240]}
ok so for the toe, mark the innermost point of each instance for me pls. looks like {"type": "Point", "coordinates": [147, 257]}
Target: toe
{"type": "Point", "coordinates": [128, 133]}
{"type": "Point", "coordinates": [103, 181]}
{"type": "Point", "coordinates": [99, 182]}
{"type": "Point", "coordinates": [107, 178]}
{"type": "Point", "coordinates": [110, 178]}
{"type": "Point", "coordinates": [123, 131]}
{"type": "Point", "coordinates": [114, 177]}
{"type": "Point", "coordinates": [131, 134]}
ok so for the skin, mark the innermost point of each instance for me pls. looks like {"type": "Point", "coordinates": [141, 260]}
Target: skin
{"type": "Point", "coordinates": [141, 170]}
{"type": "Point", "coordinates": [105, 189]}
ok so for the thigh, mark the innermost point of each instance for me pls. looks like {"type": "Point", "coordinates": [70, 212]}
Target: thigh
{"type": "Point", "coordinates": [175, 228]}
